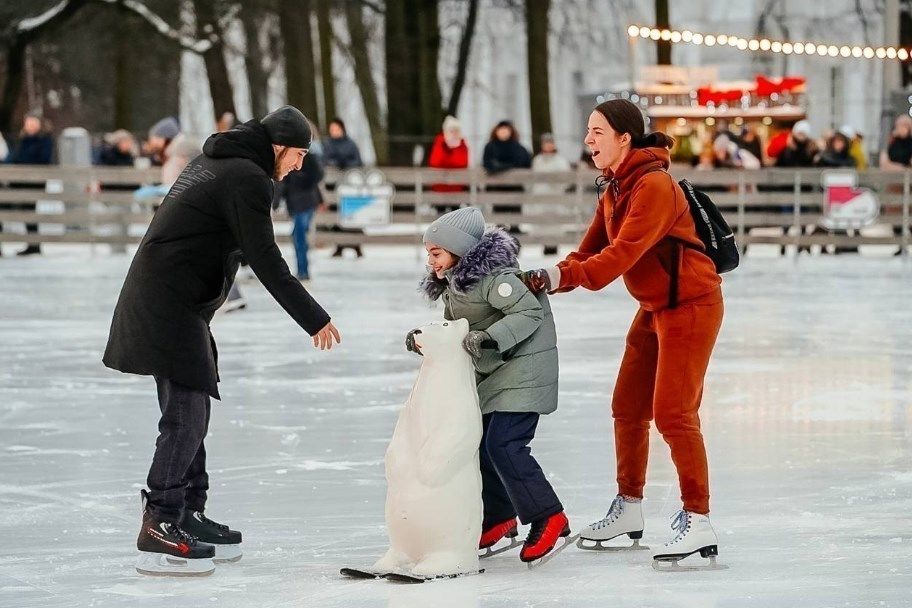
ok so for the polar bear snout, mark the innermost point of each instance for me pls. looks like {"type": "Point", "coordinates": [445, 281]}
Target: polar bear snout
{"type": "Point", "coordinates": [440, 338]}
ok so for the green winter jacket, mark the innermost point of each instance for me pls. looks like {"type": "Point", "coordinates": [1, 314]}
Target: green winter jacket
{"type": "Point", "coordinates": [484, 288]}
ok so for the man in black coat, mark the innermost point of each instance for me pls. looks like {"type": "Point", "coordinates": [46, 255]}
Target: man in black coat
{"type": "Point", "coordinates": [216, 211]}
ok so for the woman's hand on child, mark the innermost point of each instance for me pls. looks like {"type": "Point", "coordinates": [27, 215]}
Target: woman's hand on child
{"type": "Point", "coordinates": [410, 342]}
{"type": "Point", "coordinates": [475, 341]}
{"type": "Point", "coordinates": [537, 280]}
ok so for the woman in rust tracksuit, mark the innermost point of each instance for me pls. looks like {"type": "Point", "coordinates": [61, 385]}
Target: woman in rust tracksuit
{"type": "Point", "coordinates": [643, 232]}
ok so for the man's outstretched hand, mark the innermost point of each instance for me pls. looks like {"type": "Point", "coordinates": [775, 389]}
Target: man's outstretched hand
{"type": "Point", "coordinates": [323, 339]}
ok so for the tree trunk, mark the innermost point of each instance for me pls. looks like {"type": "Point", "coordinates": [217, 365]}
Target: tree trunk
{"type": "Point", "coordinates": [465, 47]}
{"type": "Point", "coordinates": [324, 27]}
{"type": "Point", "coordinates": [12, 86]}
{"type": "Point", "coordinates": [216, 70]}
{"type": "Point", "coordinates": [123, 91]}
{"type": "Point", "coordinates": [257, 78]}
{"type": "Point", "coordinates": [663, 48]}
{"type": "Point", "coordinates": [412, 86]}
{"type": "Point", "coordinates": [537, 64]}
{"type": "Point", "coordinates": [300, 70]}
{"type": "Point", "coordinates": [365, 80]}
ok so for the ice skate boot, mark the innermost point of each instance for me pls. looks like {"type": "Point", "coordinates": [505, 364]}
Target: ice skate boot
{"type": "Point", "coordinates": [624, 517]}
{"type": "Point", "coordinates": [492, 534]}
{"type": "Point", "coordinates": [167, 550]}
{"type": "Point", "coordinates": [693, 534]}
{"type": "Point", "coordinates": [227, 542]}
{"type": "Point", "coordinates": [540, 545]}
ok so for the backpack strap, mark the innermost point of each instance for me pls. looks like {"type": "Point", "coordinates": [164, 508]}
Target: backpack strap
{"type": "Point", "coordinates": [675, 271]}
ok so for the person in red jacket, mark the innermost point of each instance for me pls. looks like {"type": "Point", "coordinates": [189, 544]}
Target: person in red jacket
{"type": "Point", "coordinates": [643, 231]}
{"type": "Point", "coordinates": [449, 152]}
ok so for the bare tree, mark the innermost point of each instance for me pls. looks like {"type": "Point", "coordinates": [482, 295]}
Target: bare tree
{"type": "Point", "coordinates": [462, 63]}
{"type": "Point", "coordinates": [662, 21]}
{"type": "Point", "coordinates": [21, 33]}
{"type": "Point", "coordinates": [537, 63]}
{"type": "Point", "coordinates": [325, 32]}
{"type": "Point", "coordinates": [364, 78]}
{"type": "Point", "coordinates": [300, 67]}
{"type": "Point", "coordinates": [219, 85]}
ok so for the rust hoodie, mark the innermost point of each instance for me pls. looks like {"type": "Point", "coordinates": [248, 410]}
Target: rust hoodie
{"type": "Point", "coordinates": [638, 230]}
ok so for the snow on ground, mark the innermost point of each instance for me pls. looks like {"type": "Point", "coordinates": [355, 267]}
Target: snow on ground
{"type": "Point", "coordinates": [807, 417]}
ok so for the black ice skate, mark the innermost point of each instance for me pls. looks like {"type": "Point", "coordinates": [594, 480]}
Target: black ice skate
{"type": "Point", "coordinates": [227, 542]}
{"type": "Point", "coordinates": [167, 550]}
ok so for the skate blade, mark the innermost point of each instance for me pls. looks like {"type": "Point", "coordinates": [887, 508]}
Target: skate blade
{"type": "Point", "coordinates": [160, 564]}
{"type": "Point", "coordinates": [567, 541]}
{"type": "Point", "coordinates": [490, 552]}
{"type": "Point", "coordinates": [673, 565]}
{"type": "Point", "coordinates": [363, 574]}
{"type": "Point", "coordinates": [601, 546]}
{"type": "Point", "coordinates": [227, 554]}
{"type": "Point", "coordinates": [412, 579]}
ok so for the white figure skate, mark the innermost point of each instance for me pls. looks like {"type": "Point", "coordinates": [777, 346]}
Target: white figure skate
{"type": "Point", "coordinates": [693, 534]}
{"type": "Point", "coordinates": [624, 517]}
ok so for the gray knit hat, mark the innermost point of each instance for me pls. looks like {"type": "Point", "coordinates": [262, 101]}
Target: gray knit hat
{"type": "Point", "coordinates": [457, 231]}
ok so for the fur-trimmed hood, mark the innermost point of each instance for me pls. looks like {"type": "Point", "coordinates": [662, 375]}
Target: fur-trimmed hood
{"type": "Point", "coordinates": [495, 251]}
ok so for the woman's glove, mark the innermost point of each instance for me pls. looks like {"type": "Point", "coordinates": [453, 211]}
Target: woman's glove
{"type": "Point", "coordinates": [539, 280]}
{"type": "Point", "coordinates": [476, 341]}
{"type": "Point", "coordinates": [410, 342]}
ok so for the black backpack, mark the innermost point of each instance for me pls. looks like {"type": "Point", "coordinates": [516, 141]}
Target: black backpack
{"type": "Point", "coordinates": [717, 236]}
{"type": "Point", "coordinates": [713, 230]}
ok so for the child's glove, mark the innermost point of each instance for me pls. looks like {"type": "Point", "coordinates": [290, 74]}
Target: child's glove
{"type": "Point", "coordinates": [410, 342]}
{"type": "Point", "coordinates": [475, 341]}
{"type": "Point", "coordinates": [537, 280]}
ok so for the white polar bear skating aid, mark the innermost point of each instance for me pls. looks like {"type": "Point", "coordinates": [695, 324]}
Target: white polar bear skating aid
{"type": "Point", "coordinates": [433, 497]}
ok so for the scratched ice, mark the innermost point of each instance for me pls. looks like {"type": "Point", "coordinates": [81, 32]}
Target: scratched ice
{"type": "Point", "coordinates": [807, 417]}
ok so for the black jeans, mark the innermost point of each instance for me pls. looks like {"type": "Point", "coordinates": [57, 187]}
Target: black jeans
{"type": "Point", "coordinates": [512, 482]}
{"type": "Point", "coordinates": [177, 478]}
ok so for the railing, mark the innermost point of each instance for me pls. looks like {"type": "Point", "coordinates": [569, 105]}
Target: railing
{"type": "Point", "coordinates": [97, 205]}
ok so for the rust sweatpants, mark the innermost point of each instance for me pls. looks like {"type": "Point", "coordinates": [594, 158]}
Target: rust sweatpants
{"type": "Point", "coordinates": [661, 376]}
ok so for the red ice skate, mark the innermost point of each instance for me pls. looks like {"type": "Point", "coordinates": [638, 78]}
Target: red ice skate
{"type": "Point", "coordinates": [492, 534]}
{"type": "Point", "coordinates": [543, 536]}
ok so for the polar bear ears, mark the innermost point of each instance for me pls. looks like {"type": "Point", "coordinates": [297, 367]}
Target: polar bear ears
{"type": "Point", "coordinates": [443, 338]}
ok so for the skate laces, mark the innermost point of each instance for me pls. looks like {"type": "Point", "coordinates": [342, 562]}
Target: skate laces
{"type": "Point", "coordinates": [617, 508]}
{"type": "Point", "coordinates": [680, 524]}
{"type": "Point", "coordinates": [206, 520]}
{"type": "Point", "coordinates": [536, 530]}
{"type": "Point", "coordinates": [182, 534]}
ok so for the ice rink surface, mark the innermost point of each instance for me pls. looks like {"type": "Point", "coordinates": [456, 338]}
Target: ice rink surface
{"type": "Point", "coordinates": [807, 416]}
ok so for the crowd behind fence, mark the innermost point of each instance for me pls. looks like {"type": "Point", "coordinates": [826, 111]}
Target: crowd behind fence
{"type": "Point", "coordinates": [776, 206]}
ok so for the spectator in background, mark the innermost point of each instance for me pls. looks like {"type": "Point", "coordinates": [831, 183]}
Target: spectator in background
{"type": "Point", "coordinates": [160, 136]}
{"type": "Point", "coordinates": [341, 152]}
{"type": "Point", "coordinates": [178, 154]}
{"type": "Point", "coordinates": [800, 149]}
{"type": "Point", "coordinates": [750, 141]}
{"type": "Point", "coordinates": [778, 142]}
{"type": "Point", "coordinates": [728, 155]}
{"type": "Point", "coordinates": [226, 122]}
{"type": "Point", "coordinates": [301, 191]}
{"type": "Point", "coordinates": [502, 153]}
{"type": "Point", "coordinates": [503, 150]}
{"type": "Point", "coordinates": [549, 161]}
{"type": "Point", "coordinates": [836, 153]}
{"type": "Point", "coordinates": [898, 154]}
{"type": "Point", "coordinates": [35, 147]}
{"type": "Point", "coordinates": [856, 146]}
{"type": "Point", "coordinates": [118, 149]}
{"type": "Point", "coordinates": [449, 151]}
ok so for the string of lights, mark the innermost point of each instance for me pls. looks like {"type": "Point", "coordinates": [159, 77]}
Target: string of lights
{"type": "Point", "coordinates": [769, 46]}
